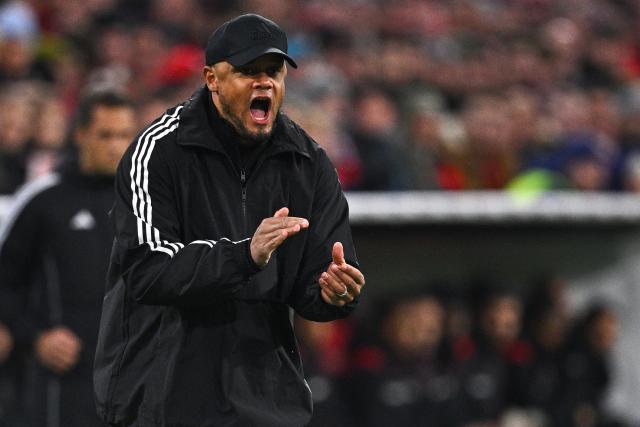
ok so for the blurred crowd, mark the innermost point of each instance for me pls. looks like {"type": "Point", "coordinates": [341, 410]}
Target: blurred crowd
{"type": "Point", "coordinates": [404, 94]}
{"type": "Point", "coordinates": [489, 358]}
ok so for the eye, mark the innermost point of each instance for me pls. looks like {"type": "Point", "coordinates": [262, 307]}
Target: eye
{"type": "Point", "coordinates": [272, 71]}
{"type": "Point", "coordinates": [105, 134]}
{"type": "Point", "coordinates": [249, 71]}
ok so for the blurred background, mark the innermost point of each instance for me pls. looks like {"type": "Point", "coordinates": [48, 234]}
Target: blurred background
{"type": "Point", "coordinates": [490, 150]}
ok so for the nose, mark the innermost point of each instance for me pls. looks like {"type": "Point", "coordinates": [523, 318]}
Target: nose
{"type": "Point", "coordinates": [262, 81]}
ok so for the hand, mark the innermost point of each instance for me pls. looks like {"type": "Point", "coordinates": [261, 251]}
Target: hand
{"type": "Point", "coordinates": [6, 343]}
{"type": "Point", "coordinates": [341, 283]}
{"type": "Point", "coordinates": [272, 232]}
{"type": "Point", "coordinates": [58, 349]}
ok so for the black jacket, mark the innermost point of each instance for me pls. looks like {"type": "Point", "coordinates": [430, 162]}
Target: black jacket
{"type": "Point", "coordinates": [192, 333]}
{"type": "Point", "coordinates": [54, 250]}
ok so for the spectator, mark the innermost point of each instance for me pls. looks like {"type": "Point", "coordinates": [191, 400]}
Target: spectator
{"type": "Point", "coordinates": [524, 77]}
{"type": "Point", "coordinates": [631, 173]}
{"type": "Point", "coordinates": [587, 368]}
{"type": "Point", "coordinates": [586, 167]}
{"type": "Point", "coordinates": [15, 132]}
{"type": "Point", "coordinates": [336, 142]}
{"type": "Point", "coordinates": [541, 385]}
{"type": "Point", "coordinates": [402, 379]}
{"type": "Point", "coordinates": [379, 142]}
{"type": "Point", "coordinates": [48, 140]}
{"type": "Point", "coordinates": [493, 359]}
{"type": "Point", "coordinates": [18, 37]}
{"type": "Point", "coordinates": [436, 159]}
{"type": "Point", "coordinates": [492, 158]}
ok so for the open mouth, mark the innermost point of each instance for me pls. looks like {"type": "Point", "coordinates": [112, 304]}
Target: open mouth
{"type": "Point", "coordinates": [259, 109]}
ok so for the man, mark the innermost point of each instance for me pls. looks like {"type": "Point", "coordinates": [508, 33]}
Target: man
{"type": "Point", "coordinates": [54, 251]}
{"type": "Point", "coordinates": [196, 325]}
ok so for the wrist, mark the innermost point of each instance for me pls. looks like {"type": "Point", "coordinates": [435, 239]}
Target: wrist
{"type": "Point", "coordinates": [247, 264]}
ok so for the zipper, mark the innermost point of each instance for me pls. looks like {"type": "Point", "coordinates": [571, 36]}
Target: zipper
{"type": "Point", "coordinates": [243, 182]}
{"type": "Point", "coordinates": [243, 187]}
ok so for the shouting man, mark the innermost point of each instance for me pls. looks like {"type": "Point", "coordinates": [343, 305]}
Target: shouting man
{"type": "Point", "coordinates": [227, 217]}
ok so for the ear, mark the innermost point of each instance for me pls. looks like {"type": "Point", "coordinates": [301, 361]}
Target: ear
{"type": "Point", "coordinates": [210, 78]}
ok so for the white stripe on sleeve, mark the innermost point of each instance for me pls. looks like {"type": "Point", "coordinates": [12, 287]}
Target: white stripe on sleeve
{"type": "Point", "coordinates": [139, 175]}
{"type": "Point", "coordinates": [141, 202]}
{"type": "Point", "coordinates": [22, 197]}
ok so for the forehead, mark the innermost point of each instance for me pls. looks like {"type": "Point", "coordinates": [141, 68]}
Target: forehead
{"type": "Point", "coordinates": [112, 116]}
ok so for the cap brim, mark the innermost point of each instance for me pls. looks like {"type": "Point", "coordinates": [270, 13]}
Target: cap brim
{"type": "Point", "coordinates": [250, 54]}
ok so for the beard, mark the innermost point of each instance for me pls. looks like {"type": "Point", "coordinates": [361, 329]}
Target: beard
{"type": "Point", "coordinates": [245, 134]}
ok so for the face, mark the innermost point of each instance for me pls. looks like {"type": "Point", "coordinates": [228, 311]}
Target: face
{"type": "Point", "coordinates": [415, 327]}
{"type": "Point", "coordinates": [587, 174]}
{"type": "Point", "coordinates": [249, 97]}
{"type": "Point", "coordinates": [502, 319]}
{"type": "Point", "coordinates": [104, 140]}
{"type": "Point", "coordinates": [604, 332]}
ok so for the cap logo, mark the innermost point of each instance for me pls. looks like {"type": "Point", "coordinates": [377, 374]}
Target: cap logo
{"type": "Point", "coordinates": [261, 34]}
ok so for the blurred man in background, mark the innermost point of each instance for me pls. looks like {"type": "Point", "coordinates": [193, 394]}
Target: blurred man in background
{"type": "Point", "coordinates": [494, 357]}
{"type": "Point", "coordinates": [403, 379]}
{"type": "Point", "coordinates": [54, 251]}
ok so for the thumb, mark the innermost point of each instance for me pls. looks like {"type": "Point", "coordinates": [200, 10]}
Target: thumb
{"type": "Point", "coordinates": [281, 213]}
{"type": "Point", "coordinates": [338, 253]}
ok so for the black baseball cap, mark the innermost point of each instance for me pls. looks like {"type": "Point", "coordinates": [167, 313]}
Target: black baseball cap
{"type": "Point", "coordinates": [243, 39]}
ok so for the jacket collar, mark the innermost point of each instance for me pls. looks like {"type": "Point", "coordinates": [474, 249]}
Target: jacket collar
{"type": "Point", "coordinates": [196, 130]}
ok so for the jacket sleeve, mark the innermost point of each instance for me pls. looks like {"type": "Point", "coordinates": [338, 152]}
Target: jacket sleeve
{"type": "Point", "coordinates": [329, 223]}
{"type": "Point", "coordinates": [21, 240]}
{"type": "Point", "coordinates": [157, 266]}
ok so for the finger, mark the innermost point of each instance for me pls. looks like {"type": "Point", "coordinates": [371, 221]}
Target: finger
{"type": "Point", "coordinates": [332, 283]}
{"type": "Point", "coordinates": [327, 288]}
{"type": "Point", "coordinates": [294, 226]}
{"type": "Point", "coordinates": [346, 279]}
{"type": "Point", "coordinates": [270, 224]}
{"type": "Point", "coordinates": [277, 237]}
{"type": "Point", "coordinates": [267, 229]}
{"type": "Point", "coordinates": [337, 253]}
{"type": "Point", "coordinates": [337, 286]}
{"type": "Point", "coordinates": [325, 297]}
{"type": "Point", "coordinates": [329, 296]}
{"type": "Point", "coordinates": [333, 301]}
{"type": "Point", "coordinates": [353, 272]}
{"type": "Point", "coordinates": [281, 212]}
